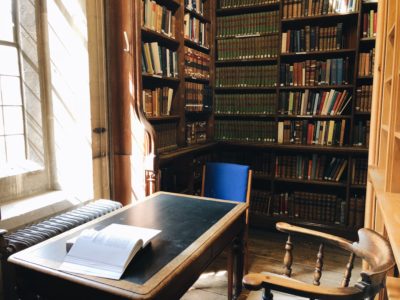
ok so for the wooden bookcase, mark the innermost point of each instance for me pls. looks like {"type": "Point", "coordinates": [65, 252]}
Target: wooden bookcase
{"type": "Point", "coordinates": [176, 168]}
{"type": "Point", "coordinates": [383, 192]}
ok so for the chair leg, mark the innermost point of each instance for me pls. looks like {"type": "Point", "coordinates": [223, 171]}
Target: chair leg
{"type": "Point", "coordinates": [267, 295]}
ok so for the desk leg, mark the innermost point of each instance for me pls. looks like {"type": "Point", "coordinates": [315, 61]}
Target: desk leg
{"type": "Point", "coordinates": [235, 267]}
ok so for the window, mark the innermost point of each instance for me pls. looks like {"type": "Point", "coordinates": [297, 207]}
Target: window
{"type": "Point", "coordinates": [12, 128]}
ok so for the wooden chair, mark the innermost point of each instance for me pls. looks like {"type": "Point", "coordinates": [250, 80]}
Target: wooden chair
{"type": "Point", "coordinates": [229, 182]}
{"type": "Point", "coordinates": [371, 247]}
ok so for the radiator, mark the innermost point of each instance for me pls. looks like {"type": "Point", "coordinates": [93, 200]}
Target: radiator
{"type": "Point", "coordinates": [11, 243]}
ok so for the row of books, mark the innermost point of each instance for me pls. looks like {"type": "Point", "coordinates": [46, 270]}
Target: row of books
{"type": "Point", "coordinates": [307, 132]}
{"type": "Point", "coordinates": [315, 167]}
{"type": "Point", "coordinates": [196, 132]}
{"type": "Point", "coordinates": [157, 102]}
{"type": "Point", "coordinates": [261, 163]}
{"type": "Point", "coordinates": [359, 171]}
{"type": "Point", "coordinates": [303, 8]}
{"type": "Point", "coordinates": [198, 96]}
{"type": "Point", "coordinates": [245, 131]}
{"type": "Point", "coordinates": [159, 60]}
{"type": "Point", "coordinates": [158, 18]}
{"type": "Point", "coordinates": [313, 103]}
{"type": "Point", "coordinates": [249, 76]}
{"type": "Point", "coordinates": [361, 133]}
{"type": "Point", "coordinates": [317, 207]}
{"type": "Point", "coordinates": [248, 24]}
{"type": "Point", "coordinates": [196, 30]}
{"type": "Point", "coordinates": [313, 38]}
{"type": "Point", "coordinates": [245, 104]}
{"type": "Point", "coordinates": [356, 211]}
{"type": "Point", "coordinates": [244, 3]}
{"type": "Point", "coordinates": [166, 136]}
{"type": "Point", "coordinates": [195, 5]}
{"type": "Point", "coordinates": [312, 72]}
{"type": "Point", "coordinates": [369, 24]}
{"type": "Point", "coordinates": [366, 63]}
{"type": "Point", "coordinates": [249, 48]}
{"type": "Point", "coordinates": [364, 98]}
{"type": "Point", "coordinates": [197, 64]}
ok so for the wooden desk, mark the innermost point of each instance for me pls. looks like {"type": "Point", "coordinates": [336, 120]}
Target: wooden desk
{"type": "Point", "coordinates": [194, 231]}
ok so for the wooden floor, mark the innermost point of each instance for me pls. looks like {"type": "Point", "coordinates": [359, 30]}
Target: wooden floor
{"type": "Point", "coordinates": [266, 250]}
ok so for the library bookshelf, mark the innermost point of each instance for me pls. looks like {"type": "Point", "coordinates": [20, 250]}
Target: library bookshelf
{"type": "Point", "coordinates": [264, 104]}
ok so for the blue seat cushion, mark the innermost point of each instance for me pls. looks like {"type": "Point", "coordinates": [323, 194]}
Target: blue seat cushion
{"type": "Point", "coordinates": [226, 181]}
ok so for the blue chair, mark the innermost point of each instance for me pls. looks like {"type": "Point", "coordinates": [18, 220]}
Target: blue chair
{"type": "Point", "coordinates": [229, 182]}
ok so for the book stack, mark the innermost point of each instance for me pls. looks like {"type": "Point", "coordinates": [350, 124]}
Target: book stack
{"type": "Point", "coordinates": [366, 63]}
{"type": "Point", "coordinates": [166, 136]}
{"type": "Point", "coordinates": [313, 38]}
{"type": "Point", "coordinates": [356, 211]}
{"type": "Point", "coordinates": [315, 167]}
{"type": "Point", "coordinates": [364, 98]}
{"type": "Point", "coordinates": [313, 103]}
{"type": "Point", "coordinates": [198, 97]}
{"type": "Point", "coordinates": [197, 64]}
{"type": "Point", "coordinates": [248, 48]}
{"type": "Point", "coordinates": [245, 104]}
{"type": "Point", "coordinates": [307, 132]}
{"type": "Point", "coordinates": [196, 132]}
{"type": "Point", "coordinates": [248, 76]}
{"type": "Point", "coordinates": [196, 30]}
{"type": "Point", "coordinates": [369, 24]}
{"type": "Point", "coordinates": [303, 8]}
{"type": "Point", "coordinates": [241, 3]}
{"type": "Point", "coordinates": [361, 133]}
{"type": "Point", "coordinates": [158, 60]}
{"type": "Point", "coordinates": [260, 202]}
{"type": "Point", "coordinates": [245, 131]}
{"type": "Point", "coordinates": [157, 102]}
{"type": "Point", "coordinates": [195, 5]}
{"type": "Point", "coordinates": [359, 171]}
{"type": "Point", "coordinates": [316, 72]}
{"type": "Point", "coordinates": [158, 18]}
{"type": "Point", "coordinates": [248, 24]}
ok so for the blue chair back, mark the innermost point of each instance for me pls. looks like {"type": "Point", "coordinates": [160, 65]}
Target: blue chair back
{"type": "Point", "coordinates": [226, 181]}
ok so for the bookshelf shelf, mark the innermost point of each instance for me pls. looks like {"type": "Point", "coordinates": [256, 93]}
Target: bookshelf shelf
{"type": "Point", "coordinates": [318, 87]}
{"type": "Point", "coordinates": [246, 60]}
{"type": "Point", "coordinates": [369, 78]}
{"type": "Point", "coordinates": [335, 17]}
{"type": "Point", "coordinates": [314, 117]}
{"type": "Point", "coordinates": [362, 113]}
{"type": "Point", "coordinates": [238, 115]}
{"type": "Point", "coordinates": [149, 33]}
{"type": "Point", "coordinates": [262, 177]}
{"type": "Point", "coordinates": [368, 40]}
{"type": "Point", "coordinates": [196, 46]}
{"type": "Point", "coordinates": [247, 9]}
{"type": "Point", "coordinates": [181, 151]}
{"type": "Point", "coordinates": [196, 79]}
{"type": "Point", "coordinates": [248, 88]}
{"type": "Point", "coordinates": [319, 53]}
{"type": "Point", "coordinates": [312, 182]}
{"type": "Point", "coordinates": [299, 147]}
{"type": "Point", "coordinates": [164, 118]}
{"type": "Point", "coordinates": [160, 78]}
{"type": "Point", "coordinates": [197, 15]}
{"type": "Point", "coordinates": [232, 37]}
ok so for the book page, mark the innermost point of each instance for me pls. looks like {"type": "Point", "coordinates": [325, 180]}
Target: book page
{"type": "Point", "coordinates": [106, 253]}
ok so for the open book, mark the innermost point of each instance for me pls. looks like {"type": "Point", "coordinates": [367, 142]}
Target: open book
{"type": "Point", "coordinates": [106, 253]}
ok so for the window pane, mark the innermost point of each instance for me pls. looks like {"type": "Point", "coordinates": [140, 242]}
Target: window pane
{"type": "Point", "coordinates": [13, 120]}
{"type": "Point", "coordinates": [15, 147]}
{"type": "Point", "coordinates": [10, 90]}
{"type": "Point", "coordinates": [2, 151]}
{"type": "Point", "coordinates": [1, 121]}
{"type": "Point", "coordinates": [9, 61]}
{"type": "Point", "coordinates": [6, 23]}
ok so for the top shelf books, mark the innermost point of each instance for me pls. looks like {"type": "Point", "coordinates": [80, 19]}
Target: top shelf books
{"type": "Point", "coordinates": [307, 8]}
{"type": "Point", "coordinates": [224, 4]}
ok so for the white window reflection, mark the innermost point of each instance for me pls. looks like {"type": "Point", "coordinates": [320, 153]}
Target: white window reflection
{"type": "Point", "coordinates": [6, 21]}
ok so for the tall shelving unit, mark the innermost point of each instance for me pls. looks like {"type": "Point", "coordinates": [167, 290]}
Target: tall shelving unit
{"type": "Point", "coordinates": [244, 149]}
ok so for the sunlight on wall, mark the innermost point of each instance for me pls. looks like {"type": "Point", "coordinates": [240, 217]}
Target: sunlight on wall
{"type": "Point", "coordinates": [67, 29]}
